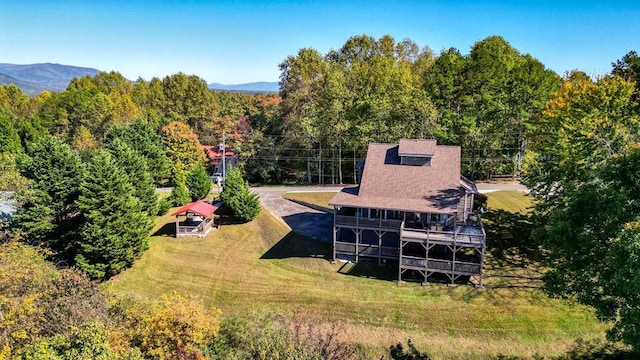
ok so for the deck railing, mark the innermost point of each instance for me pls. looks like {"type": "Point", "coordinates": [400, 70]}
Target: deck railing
{"type": "Point", "coordinates": [367, 222]}
{"type": "Point", "coordinates": [462, 237]}
{"type": "Point", "coordinates": [197, 230]}
{"type": "Point", "coordinates": [438, 265]}
{"type": "Point", "coordinates": [367, 250]}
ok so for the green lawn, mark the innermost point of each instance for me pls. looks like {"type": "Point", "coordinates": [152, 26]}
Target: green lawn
{"type": "Point", "coordinates": [511, 201]}
{"type": "Point", "coordinates": [261, 267]}
{"type": "Point", "coordinates": [317, 198]}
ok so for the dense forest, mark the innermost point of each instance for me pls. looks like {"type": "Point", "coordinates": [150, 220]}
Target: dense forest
{"type": "Point", "coordinates": [331, 106]}
{"type": "Point", "coordinates": [82, 165]}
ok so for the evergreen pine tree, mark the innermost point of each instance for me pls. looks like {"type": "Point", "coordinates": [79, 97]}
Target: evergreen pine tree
{"type": "Point", "coordinates": [238, 197]}
{"type": "Point", "coordinates": [144, 138]}
{"type": "Point", "coordinates": [49, 214]}
{"type": "Point", "coordinates": [135, 165]}
{"type": "Point", "coordinates": [9, 139]}
{"type": "Point", "coordinates": [116, 230]}
{"type": "Point", "coordinates": [180, 194]}
{"type": "Point", "coordinates": [198, 183]}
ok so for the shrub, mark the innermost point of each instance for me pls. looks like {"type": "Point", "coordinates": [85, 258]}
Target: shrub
{"type": "Point", "coordinates": [175, 329]}
{"type": "Point", "coordinates": [164, 205]}
{"type": "Point", "coordinates": [198, 183]}
{"type": "Point", "coordinates": [179, 195]}
{"type": "Point", "coordinates": [398, 353]}
{"type": "Point", "coordinates": [265, 337]}
{"type": "Point", "coordinates": [236, 195]}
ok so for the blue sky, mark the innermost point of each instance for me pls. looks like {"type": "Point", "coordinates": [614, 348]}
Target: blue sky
{"type": "Point", "coordinates": [244, 41]}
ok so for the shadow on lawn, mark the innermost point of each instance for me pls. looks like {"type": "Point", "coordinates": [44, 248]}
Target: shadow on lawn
{"type": "Point", "coordinates": [312, 225]}
{"type": "Point", "coordinates": [513, 256]}
{"type": "Point", "coordinates": [295, 245]}
{"type": "Point", "coordinates": [371, 269]}
{"type": "Point", "coordinates": [509, 240]}
{"type": "Point", "coordinates": [224, 216]}
{"type": "Point", "coordinates": [168, 229]}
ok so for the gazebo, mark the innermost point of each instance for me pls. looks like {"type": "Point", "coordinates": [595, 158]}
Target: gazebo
{"type": "Point", "coordinates": [197, 221]}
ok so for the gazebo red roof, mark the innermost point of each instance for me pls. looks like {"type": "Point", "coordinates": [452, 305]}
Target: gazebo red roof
{"type": "Point", "coordinates": [199, 207]}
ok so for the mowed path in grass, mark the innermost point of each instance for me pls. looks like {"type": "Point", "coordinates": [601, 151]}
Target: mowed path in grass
{"type": "Point", "coordinates": [260, 267]}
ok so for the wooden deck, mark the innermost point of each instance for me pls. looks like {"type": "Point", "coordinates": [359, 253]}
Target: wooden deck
{"type": "Point", "coordinates": [470, 235]}
{"type": "Point", "coordinates": [439, 265]}
{"type": "Point", "coordinates": [464, 235]}
{"type": "Point", "coordinates": [366, 250]}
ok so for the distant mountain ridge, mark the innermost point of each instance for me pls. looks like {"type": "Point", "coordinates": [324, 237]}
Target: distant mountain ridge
{"type": "Point", "coordinates": [35, 78]}
{"type": "Point", "coordinates": [28, 88]}
{"type": "Point", "coordinates": [261, 86]}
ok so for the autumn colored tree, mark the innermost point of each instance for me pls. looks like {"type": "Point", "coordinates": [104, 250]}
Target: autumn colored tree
{"type": "Point", "coordinates": [583, 169]}
{"type": "Point", "coordinates": [629, 68]}
{"type": "Point", "coordinates": [39, 301]}
{"type": "Point", "coordinates": [182, 146]}
{"type": "Point", "coordinates": [178, 326]}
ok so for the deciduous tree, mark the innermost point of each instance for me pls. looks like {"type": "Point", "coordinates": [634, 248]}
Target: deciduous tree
{"type": "Point", "coordinates": [583, 169]}
{"type": "Point", "coordinates": [182, 146]}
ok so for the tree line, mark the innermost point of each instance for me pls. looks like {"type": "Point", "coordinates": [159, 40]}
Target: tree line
{"type": "Point", "coordinates": [330, 107]}
{"type": "Point", "coordinates": [83, 163]}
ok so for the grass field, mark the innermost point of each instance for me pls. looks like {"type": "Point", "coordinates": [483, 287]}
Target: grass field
{"type": "Point", "coordinates": [318, 198]}
{"type": "Point", "coordinates": [261, 267]}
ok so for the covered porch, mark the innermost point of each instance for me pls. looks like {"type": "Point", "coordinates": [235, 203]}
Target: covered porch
{"type": "Point", "coordinates": [195, 219]}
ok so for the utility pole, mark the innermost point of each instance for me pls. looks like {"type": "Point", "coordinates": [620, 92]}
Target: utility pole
{"type": "Point", "coordinates": [224, 170]}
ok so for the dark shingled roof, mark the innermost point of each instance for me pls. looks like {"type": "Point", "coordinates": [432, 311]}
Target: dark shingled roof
{"type": "Point", "coordinates": [388, 185]}
{"type": "Point", "coordinates": [410, 147]}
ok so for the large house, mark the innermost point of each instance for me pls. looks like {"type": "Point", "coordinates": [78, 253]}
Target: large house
{"type": "Point", "coordinates": [214, 154]}
{"type": "Point", "coordinates": [412, 206]}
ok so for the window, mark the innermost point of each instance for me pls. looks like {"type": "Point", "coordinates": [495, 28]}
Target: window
{"type": "Point", "coordinates": [416, 160]}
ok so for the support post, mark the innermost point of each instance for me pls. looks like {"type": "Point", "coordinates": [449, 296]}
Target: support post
{"type": "Point", "coordinates": [224, 169]}
{"type": "Point", "coordinates": [358, 236]}
{"type": "Point", "coordinates": [380, 233]}
{"type": "Point", "coordinates": [400, 263]}
{"type": "Point", "coordinates": [335, 232]}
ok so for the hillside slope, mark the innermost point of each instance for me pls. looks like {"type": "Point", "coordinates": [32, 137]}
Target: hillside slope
{"type": "Point", "coordinates": [34, 78]}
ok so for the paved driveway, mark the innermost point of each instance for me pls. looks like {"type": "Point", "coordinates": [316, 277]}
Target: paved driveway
{"type": "Point", "coordinates": [317, 224]}
{"type": "Point", "coordinates": [491, 187]}
{"type": "Point", "coordinates": [313, 223]}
